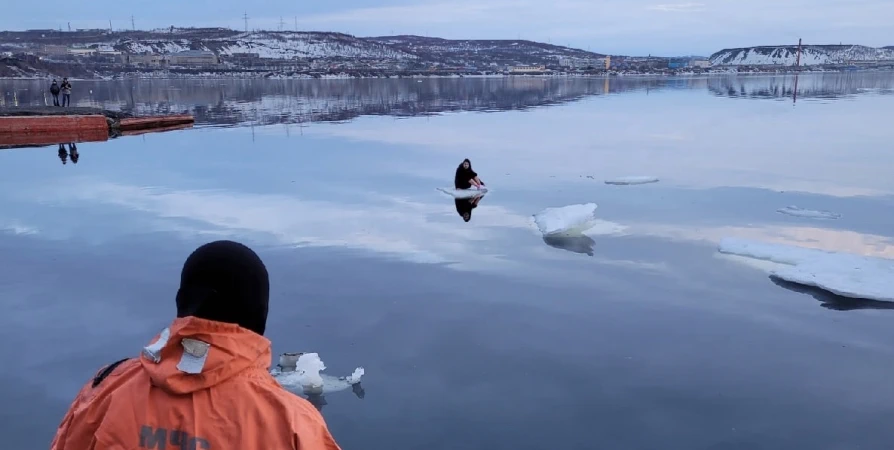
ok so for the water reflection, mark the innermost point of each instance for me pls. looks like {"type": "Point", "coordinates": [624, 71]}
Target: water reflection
{"type": "Point", "coordinates": [582, 244]}
{"type": "Point", "coordinates": [72, 153]}
{"type": "Point", "coordinates": [464, 206]}
{"type": "Point", "coordinates": [63, 154]}
{"type": "Point", "coordinates": [827, 86]}
{"type": "Point", "coordinates": [265, 102]}
{"type": "Point", "coordinates": [831, 301]}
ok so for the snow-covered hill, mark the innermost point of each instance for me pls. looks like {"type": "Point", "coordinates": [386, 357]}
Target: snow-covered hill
{"type": "Point", "coordinates": [810, 55]}
{"type": "Point", "coordinates": [267, 44]}
{"type": "Point", "coordinates": [285, 45]}
{"type": "Point", "coordinates": [481, 52]}
{"type": "Point", "coordinates": [289, 45]}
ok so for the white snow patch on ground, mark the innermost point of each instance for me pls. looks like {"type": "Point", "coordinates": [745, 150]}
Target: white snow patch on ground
{"type": "Point", "coordinates": [574, 220]}
{"type": "Point", "coordinates": [844, 274]}
{"type": "Point", "coordinates": [808, 213]}
{"type": "Point", "coordinates": [624, 181]}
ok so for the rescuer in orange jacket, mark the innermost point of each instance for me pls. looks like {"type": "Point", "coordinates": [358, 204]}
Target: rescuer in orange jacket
{"type": "Point", "coordinates": [202, 383]}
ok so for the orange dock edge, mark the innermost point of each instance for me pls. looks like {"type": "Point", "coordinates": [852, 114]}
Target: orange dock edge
{"type": "Point", "coordinates": [147, 123]}
{"type": "Point", "coordinates": [156, 130]}
{"type": "Point", "coordinates": [44, 130]}
{"type": "Point", "coordinates": [54, 129]}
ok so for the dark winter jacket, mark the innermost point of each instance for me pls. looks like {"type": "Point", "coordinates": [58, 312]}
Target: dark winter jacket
{"type": "Point", "coordinates": [463, 175]}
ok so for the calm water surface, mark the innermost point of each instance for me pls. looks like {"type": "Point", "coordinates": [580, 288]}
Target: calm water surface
{"type": "Point", "coordinates": [478, 335]}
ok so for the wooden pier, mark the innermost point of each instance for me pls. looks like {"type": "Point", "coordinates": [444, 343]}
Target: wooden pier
{"type": "Point", "coordinates": [52, 125]}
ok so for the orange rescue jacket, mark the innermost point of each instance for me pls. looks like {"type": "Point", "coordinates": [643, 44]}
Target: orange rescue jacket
{"type": "Point", "coordinates": [182, 394]}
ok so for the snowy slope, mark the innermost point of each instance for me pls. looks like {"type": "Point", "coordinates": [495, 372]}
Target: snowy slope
{"type": "Point", "coordinates": [482, 51]}
{"type": "Point", "coordinates": [810, 55]}
{"type": "Point", "coordinates": [267, 44]}
{"type": "Point", "coordinates": [282, 45]}
{"type": "Point", "coordinates": [313, 45]}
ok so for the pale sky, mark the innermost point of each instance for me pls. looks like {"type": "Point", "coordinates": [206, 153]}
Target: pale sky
{"type": "Point", "coordinates": [633, 27]}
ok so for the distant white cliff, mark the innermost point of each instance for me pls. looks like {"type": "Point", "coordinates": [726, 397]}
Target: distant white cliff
{"type": "Point", "coordinates": [810, 55]}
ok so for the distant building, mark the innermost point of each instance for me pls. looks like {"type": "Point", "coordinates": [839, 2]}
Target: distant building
{"type": "Point", "coordinates": [194, 58]}
{"type": "Point", "coordinates": [585, 63]}
{"type": "Point", "coordinates": [677, 63]}
{"type": "Point", "coordinates": [242, 59]}
{"type": "Point", "coordinates": [528, 69]}
{"type": "Point", "coordinates": [54, 50]}
{"type": "Point", "coordinates": [244, 56]}
{"type": "Point", "coordinates": [700, 63]}
{"type": "Point", "coordinates": [147, 60]}
{"type": "Point", "coordinates": [111, 56]}
{"type": "Point", "coordinates": [82, 51]}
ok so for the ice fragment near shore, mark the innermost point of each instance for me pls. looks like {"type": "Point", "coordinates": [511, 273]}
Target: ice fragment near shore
{"type": "Point", "coordinates": [844, 274]}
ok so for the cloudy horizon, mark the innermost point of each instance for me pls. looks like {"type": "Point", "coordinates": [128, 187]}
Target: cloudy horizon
{"type": "Point", "coordinates": [631, 27]}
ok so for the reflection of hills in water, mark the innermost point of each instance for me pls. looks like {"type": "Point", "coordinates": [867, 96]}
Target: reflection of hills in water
{"type": "Point", "coordinates": [818, 85]}
{"type": "Point", "coordinates": [264, 102]}
{"type": "Point", "coordinates": [233, 102]}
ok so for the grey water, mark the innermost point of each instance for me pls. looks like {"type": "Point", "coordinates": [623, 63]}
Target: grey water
{"type": "Point", "coordinates": [479, 334]}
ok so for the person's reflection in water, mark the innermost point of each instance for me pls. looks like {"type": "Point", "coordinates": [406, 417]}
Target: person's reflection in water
{"type": "Point", "coordinates": [577, 244]}
{"type": "Point", "coordinates": [831, 301]}
{"type": "Point", "coordinates": [73, 151]}
{"type": "Point", "coordinates": [63, 154]}
{"type": "Point", "coordinates": [464, 206]}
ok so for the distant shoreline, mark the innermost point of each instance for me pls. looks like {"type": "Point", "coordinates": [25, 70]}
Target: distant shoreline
{"type": "Point", "coordinates": [223, 75]}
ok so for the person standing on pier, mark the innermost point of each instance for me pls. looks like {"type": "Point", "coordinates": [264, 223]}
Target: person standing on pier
{"type": "Point", "coordinates": [54, 90]}
{"type": "Point", "coordinates": [66, 92]}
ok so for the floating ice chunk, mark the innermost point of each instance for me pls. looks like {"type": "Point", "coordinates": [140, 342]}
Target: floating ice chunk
{"type": "Point", "coordinates": [309, 366]}
{"type": "Point", "coordinates": [625, 181]}
{"type": "Point", "coordinates": [304, 375]}
{"type": "Point", "coordinates": [808, 213]}
{"type": "Point", "coordinates": [777, 253]}
{"type": "Point", "coordinates": [574, 220]}
{"type": "Point", "coordinates": [355, 376]}
{"type": "Point", "coordinates": [463, 193]}
{"type": "Point", "coordinates": [851, 276]}
{"type": "Point", "coordinates": [844, 274]}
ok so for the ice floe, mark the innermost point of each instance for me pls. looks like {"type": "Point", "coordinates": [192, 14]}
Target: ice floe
{"type": "Point", "coordinates": [463, 193]}
{"type": "Point", "coordinates": [844, 274]}
{"type": "Point", "coordinates": [574, 220]}
{"type": "Point", "coordinates": [625, 181]}
{"type": "Point", "coordinates": [301, 373]}
{"type": "Point", "coordinates": [808, 213]}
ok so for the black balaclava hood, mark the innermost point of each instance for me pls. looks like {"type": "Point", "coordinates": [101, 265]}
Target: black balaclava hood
{"type": "Point", "coordinates": [463, 175]}
{"type": "Point", "coordinates": [225, 281]}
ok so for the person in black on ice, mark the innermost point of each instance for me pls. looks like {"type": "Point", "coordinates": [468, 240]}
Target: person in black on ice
{"type": "Point", "coordinates": [63, 154]}
{"type": "Point", "coordinates": [466, 177]}
{"type": "Point", "coordinates": [54, 90]}
{"type": "Point", "coordinates": [464, 207]}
